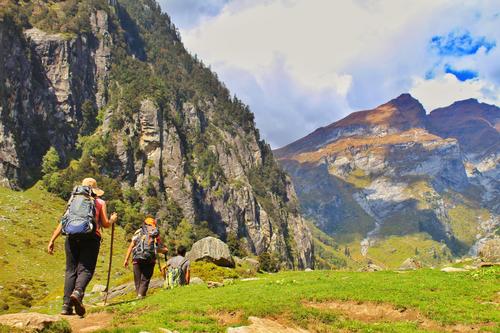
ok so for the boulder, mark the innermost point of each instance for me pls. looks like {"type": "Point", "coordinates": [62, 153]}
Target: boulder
{"type": "Point", "coordinates": [213, 250]}
{"type": "Point", "coordinates": [490, 250]}
{"type": "Point", "coordinates": [196, 281]}
{"type": "Point", "coordinates": [308, 270]}
{"type": "Point", "coordinates": [30, 321]}
{"type": "Point", "coordinates": [410, 264]}
{"type": "Point", "coordinates": [453, 269]}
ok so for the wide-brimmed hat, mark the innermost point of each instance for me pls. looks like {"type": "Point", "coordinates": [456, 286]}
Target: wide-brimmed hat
{"type": "Point", "coordinates": [92, 183]}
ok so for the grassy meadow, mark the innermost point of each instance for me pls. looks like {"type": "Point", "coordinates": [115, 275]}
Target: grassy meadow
{"type": "Point", "coordinates": [321, 301]}
{"type": "Point", "coordinates": [439, 302]}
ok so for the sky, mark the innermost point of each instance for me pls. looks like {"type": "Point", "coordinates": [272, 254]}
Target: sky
{"type": "Point", "coordinates": [303, 64]}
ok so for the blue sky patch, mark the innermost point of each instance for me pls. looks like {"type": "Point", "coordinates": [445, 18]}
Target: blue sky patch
{"type": "Point", "coordinates": [460, 43]}
{"type": "Point", "coordinates": [187, 14]}
{"type": "Point", "coordinates": [461, 74]}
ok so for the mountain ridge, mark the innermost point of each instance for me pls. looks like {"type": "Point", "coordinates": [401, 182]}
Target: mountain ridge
{"type": "Point", "coordinates": [396, 170]}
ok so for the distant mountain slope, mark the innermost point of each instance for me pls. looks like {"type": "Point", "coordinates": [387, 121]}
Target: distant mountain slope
{"type": "Point", "coordinates": [475, 125]}
{"type": "Point", "coordinates": [109, 86]}
{"type": "Point", "coordinates": [394, 171]}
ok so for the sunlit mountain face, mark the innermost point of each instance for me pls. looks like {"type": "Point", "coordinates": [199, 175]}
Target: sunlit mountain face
{"type": "Point", "coordinates": [396, 175]}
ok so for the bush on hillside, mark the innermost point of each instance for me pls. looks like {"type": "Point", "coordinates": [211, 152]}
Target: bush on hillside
{"type": "Point", "coordinates": [268, 262]}
{"type": "Point", "coordinates": [235, 245]}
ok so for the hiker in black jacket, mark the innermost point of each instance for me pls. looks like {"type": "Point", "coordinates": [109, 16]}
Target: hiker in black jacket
{"type": "Point", "coordinates": [82, 222]}
{"type": "Point", "coordinates": [144, 247]}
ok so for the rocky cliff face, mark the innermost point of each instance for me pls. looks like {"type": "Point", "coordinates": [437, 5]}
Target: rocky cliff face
{"type": "Point", "coordinates": [394, 171]}
{"type": "Point", "coordinates": [46, 79]}
{"type": "Point", "coordinates": [168, 130]}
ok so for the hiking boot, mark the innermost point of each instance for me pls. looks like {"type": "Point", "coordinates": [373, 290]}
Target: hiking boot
{"type": "Point", "coordinates": [76, 299]}
{"type": "Point", "coordinates": [67, 310]}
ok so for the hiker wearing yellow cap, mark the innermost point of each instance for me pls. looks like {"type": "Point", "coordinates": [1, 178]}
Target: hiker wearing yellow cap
{"type": "Point", "coordinates": [145, 245]}
{"type": "Point", "coordinates": [82, 222]}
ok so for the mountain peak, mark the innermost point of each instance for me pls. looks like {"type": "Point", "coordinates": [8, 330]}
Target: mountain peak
{"type": "Point", "coordinates": [400, 114]}
{"type": "Point", "coordinates": [405, 102]}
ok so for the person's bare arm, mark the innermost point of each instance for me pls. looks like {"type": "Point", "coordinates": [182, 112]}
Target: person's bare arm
{"type": "Point", "coordinates": [163, 250]}
{"type": "Point", "coordinates": [129, 252]}
{"type": "Point", "coordinates": [188, 275]}
{"type": "Point", "coordinates": [55, 234]}
{"type": "Point", "coordinates": [105, 222]}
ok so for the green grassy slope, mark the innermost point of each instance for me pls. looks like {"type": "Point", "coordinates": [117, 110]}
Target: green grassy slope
{"type": "Point", "coordinates": [446, 299]}
{"type": "Point", "coordinates": [329, 254]}
{"type": "Point", "coordinates": [29, 275]}
{"type": "Point", "coordinates": [390, 252]}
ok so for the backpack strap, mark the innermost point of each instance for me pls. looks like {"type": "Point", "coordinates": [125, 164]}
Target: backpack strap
{"type": "Point", "coordinates": [182, 264]}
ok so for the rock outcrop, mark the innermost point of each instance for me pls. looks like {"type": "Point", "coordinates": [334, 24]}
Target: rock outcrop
{"type": "Point", "coordinates": [46, 79]}
{"type": "Point", "coordinates": [213, 250]}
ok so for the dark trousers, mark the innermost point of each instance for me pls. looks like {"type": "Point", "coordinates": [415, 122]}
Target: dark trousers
{"type": "Point", "coordinates": [142, 276]}
{"type": "Point", "coordinates": [81, 259]}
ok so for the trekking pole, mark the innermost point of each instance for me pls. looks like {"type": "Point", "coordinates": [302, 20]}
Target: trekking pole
{"type": "Point", "coordinates": [110, 261]}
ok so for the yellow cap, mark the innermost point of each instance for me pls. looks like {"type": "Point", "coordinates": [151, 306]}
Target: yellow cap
{"type": "Point", "coordinates": [150, 221]}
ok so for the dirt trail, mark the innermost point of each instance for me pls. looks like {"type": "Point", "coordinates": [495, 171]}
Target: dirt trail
{"type": "Point", "coordinates": [90, 323]}
{"type": "Point", "coordinates": [262, 325]}
{"type": "Point", "coordinates": [381, 312]}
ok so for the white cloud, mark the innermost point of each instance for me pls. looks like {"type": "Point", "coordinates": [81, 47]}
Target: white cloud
{"type": "Point", "coordinates": [446, 89]}
{"type": "Point", "coordinates": [332, 57]}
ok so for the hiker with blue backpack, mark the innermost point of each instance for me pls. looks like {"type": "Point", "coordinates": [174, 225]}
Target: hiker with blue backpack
{"type": "Point", "coordinates": [144, 248]}
{"type": "Point", "coordinates": [81, 224]}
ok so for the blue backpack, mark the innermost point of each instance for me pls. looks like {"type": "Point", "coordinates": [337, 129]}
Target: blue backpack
{"type": "Point", "coordinates": [79, 218]}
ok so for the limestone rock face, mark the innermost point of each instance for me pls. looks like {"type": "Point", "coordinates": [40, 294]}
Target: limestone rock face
{"type": "Point", "coordinates": [29, 322]}
{"type": "Point", "coordinates": [213, 250]}
{"type": "Point", "coordinates": [46, 78]}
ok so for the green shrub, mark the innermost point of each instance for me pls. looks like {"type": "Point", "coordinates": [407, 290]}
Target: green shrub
{"type": "Point", "coordinates": [268, 262]}
{"type": "Point", "coordinates": [208, 271]}
{"type": "Point", "coordinates": [50, 161]}
{"type": "Point", "coordinates": [235, 245]}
